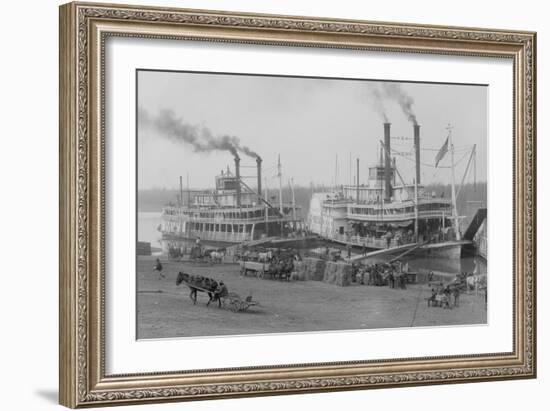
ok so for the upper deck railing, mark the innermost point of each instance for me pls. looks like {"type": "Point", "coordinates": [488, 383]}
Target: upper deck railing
{"type": "Point", "coordinates": [227, 215]}
{"type": "Point", "coordinates": [224, 209]}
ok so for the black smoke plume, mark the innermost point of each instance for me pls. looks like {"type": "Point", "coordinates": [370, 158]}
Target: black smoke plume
{"type": "Point", "coordinates": [200, 139]}
{"type": "Point", "coordinates": [395, 92]}
{"type": "Point", "coordinates": [377, 101]}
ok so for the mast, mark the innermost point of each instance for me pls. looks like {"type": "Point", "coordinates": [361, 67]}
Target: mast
{"type": "Point", "coordinates": [291, 184]}
{"type": "Point", "coordinates": [336, 174]}
{"type": "Point", "coordinates": [180, 219]}
{"type": "Point", "coordinates": [453, 191]}
{"type": "Point", "coordinates": [181, 192]}
{"type": "Point", "coordinates": [350, 170]}
{"type": "Point", "coordinates": [187, 225]}
{"type": "Point", "coordinates": [188, 192]}
{"type": "Point", "coordinates": [280, 175]}
{"type": "Point", "coordinates": [266, 211]}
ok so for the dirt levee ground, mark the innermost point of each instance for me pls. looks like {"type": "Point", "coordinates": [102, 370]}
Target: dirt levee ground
{"type": "Point", "coordinates": [165, 310]}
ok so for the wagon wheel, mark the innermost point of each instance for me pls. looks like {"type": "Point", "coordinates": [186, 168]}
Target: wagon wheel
{"type": "Point", "coordinates": [234, 306]}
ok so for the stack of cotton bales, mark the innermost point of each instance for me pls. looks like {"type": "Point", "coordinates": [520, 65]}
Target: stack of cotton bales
{"type": "Point", "coordinates": [314, 268]}
{"type": "Point", "coordinates": [299, 273]}
{"type": "Point", "coordinates": [338, 273]}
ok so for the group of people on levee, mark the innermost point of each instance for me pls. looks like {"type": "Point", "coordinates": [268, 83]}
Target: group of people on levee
{"type": "Point", "coordinates": [446, 296]}
{"type": "Point", "coordinates": [380, 274]}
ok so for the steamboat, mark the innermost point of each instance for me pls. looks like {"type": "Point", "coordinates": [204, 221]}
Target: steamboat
{"type": "Point", "coordinates": [387, 213]}
{"type": "Point", "coordinates": [231, 213]}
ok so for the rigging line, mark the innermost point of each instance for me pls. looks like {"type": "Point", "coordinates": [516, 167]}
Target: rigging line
{"type": "Point", "coordinates": [402, 154]}
{"type": "Point", "coordinates": [410, 152]}
{"type": "Point", "coordinates": [438, 149]}
{"type": "Point", "coordinates": [456, 162]}
{"type": "Point", "coordinates": [475, 171]}
{"type": "Point", "coordinates": [410, 148]}
{"type": "Point", "coordinates": [462, 158]}
{"type": "Point", "coordinates": [424, 164]}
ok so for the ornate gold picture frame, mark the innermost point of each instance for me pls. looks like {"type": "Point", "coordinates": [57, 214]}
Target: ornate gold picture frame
{"type": "Point", "coordinates": [84, 30]}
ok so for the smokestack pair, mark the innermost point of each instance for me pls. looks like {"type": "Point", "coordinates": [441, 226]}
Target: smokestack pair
{"type": "Point", "coordinates": [238, 178]}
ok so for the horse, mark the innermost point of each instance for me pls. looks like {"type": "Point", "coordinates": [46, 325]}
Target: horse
{"type": "Point", "coordinates": [241, 255]}
{"type": "Point", "coordinates": [217, 256]}
{"type": "Point", "coordinates": [476, 282]}
{"type": "Point", "coordinates": [265, 256]}
{"type": "Point", "coordinates": [472, 282]}
{"type": "Point", "coordinates": [188, 279]}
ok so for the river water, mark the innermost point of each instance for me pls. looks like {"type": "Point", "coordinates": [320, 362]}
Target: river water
{"type": "Point", "coordinates": [148, 223]}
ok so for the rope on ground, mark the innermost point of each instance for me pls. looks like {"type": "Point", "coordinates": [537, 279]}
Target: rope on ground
{"type": "Point", "coordinates": [416, 306]}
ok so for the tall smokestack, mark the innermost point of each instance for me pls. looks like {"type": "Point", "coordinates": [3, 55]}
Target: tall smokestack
{"type": "Point", "coordinates": [259, 176]}
{"type": "Point", "coordinates": [393, 164]}
{"type": "Point", "coordinates": [238, 176]}
{"type": "Point", "coordinates": [387, 162]}
{"type": "Point", "coordinates": [417, 151]}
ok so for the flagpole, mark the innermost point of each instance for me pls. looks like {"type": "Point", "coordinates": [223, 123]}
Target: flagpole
{"type": "Point", "coordinates": [453, 192]}
{"type": "Point", "coordinates": [266, 211]}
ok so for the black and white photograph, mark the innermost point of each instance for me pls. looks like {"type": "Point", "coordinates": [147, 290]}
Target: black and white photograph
{"type": "Point", "coordinates": [275, 205]}
{"type": "Point", "coordinates": [278, 204]}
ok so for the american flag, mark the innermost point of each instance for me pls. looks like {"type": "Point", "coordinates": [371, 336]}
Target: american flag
{"type": "Point", "coordinates": [442, 151]}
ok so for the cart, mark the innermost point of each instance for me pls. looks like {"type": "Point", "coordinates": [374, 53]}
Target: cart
{"type": "Point", "coordinates": [235, 303]}
{"type": "Point", "coordinates": [255, 268]}
{"type": "Point", "coordinates": [197, 284]}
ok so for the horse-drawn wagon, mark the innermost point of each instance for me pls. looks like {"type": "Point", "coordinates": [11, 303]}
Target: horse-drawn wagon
{"type": "Point", "coordinates": [215, 291]}
{"type": "Point", "coordinates": [203, 254]}
{"type": "Point", "coordinates": [254, 268]}
{"type": "Point", "coordinates": [275, 269]}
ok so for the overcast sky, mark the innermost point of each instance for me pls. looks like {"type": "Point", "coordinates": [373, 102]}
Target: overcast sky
{"type": "Point", "coordinates": [308, 121]}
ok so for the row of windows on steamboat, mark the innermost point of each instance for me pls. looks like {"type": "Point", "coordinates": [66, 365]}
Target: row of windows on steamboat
{"type": "Point", "coordinates": [223, 228]}
{"type": "Point", "coordinates": [216, 214]}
